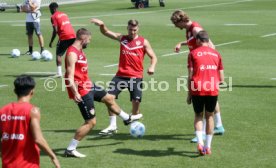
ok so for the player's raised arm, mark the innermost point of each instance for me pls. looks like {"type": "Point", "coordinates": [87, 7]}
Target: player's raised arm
{"type": "Point", "coordinates": [152, 56]}
{"type": "Point", "coordinates": [105, 31]}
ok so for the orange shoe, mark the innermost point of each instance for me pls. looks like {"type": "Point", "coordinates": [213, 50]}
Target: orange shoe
{"type": "Point", "coordinates": [200, 149]}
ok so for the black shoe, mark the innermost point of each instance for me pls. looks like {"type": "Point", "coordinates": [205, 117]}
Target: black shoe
{"type": "Point", "coordinates": [28, 53]}
{"type": "Point", "coordinates": [161, 3]}
{"type": "Point", "coordinates": [73, 153]}
{"type": "Point", "coordinates": [133, 118]}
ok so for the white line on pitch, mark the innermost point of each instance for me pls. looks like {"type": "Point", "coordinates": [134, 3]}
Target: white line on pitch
{"type": "Point", "coordinates": [232, 42]}
{"type": "Point", "coordinates": [40, 73]}
{"type": "Point", "coordinates": [144, 12]}
{"type": "Point", "coordinates": [239, 24]}
{"type": "Point", "coordinates": [3, 86]}
{"type": "Point", "coordinates": [18, 25]}
{"type": "Point", "coordinates": [272, 78]}
{"type": "Point", "coordinates": [222, 44]}
{"type": "Point", "coordinates": [107, 74]}
{"type": "Point", "coordinates": [171, 54]}
{"type": "Point", "coordinates": [112, 65]}
{"type": "Point", "coordinates": [268, 35]}
{"type": "Point", "coordinates": [79, 25]}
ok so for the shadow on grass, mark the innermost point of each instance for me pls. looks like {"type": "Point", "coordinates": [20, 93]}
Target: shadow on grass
{"type": "Point", "coordinates": [34, 75]}
{"type": "Point", "coordinates": [124, 136]}
{"type": "Point", "coordinates": [253, 86]}
{"type": "Point", "coordinates": [60, 151]}
{"type": "Point", "coordinates": [157, 153]}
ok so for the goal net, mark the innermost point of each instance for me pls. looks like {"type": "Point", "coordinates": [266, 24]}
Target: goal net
{"type": "Point", "coordinates": [6, 4]}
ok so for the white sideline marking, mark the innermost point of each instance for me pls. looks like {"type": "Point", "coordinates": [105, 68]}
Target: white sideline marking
{"type": "Point", "coordinates": [272, 78]}
{"type": "Point", "coordinates": [40, 73]}
{"type": "Point", "coordinates": [79, 25]}
{"type": "Point", "coordinates": [107, 74]}
{"type": "Point", "coordinates": [268, 35]}
{"type": "Point", "coordinates": [135, 13]}
{"type": "Point", "coordinates": [232, 42]}
{"type": "Point", "coordinates": [112, 65]}
{"type": "Point", "coordinates": [171, 54]}
{"type": "Point", "coordinates": [239, 24]}
{"type": "Point", "coordinates": [18, 25]}
{"type": "Point", "coordinates": [3, 86]}
{"type": "Point", "coordinates": [222, 44]}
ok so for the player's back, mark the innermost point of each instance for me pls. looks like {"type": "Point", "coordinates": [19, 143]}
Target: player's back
{"type": "Point", "coordinates": [18, 147]}
{"type": "Point", "coordinates": [65, 29]}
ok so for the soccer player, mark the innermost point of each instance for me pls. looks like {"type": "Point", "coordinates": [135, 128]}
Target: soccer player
{"type": "Point", "coordinates": [182, 21]}
{"type": "Point", "coordinates": [32, 9]}
{"type": "Point", "coordinates": [205, 71]}
{"type": "Point", "coordinates": [130, 73]}
{"type": "Point", "coordinates": [84, 92]}
{"type": "Point", "coordinates": [61, 26]}
{"type": "Point", "coordinates": [20, 131]}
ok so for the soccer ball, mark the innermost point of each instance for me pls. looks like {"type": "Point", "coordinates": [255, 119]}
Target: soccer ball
{"type": "Point", "coordinates": [15, 53]}
{"type": "Point", "coordinates": [36, 55]}
{"type": "Point", "coordinates": [137, 129]}
{"type": "Point", "coordinates": [46, 55]}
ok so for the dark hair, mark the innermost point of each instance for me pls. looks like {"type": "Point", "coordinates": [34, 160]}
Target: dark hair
{"type": "Point", "coordinates": [202, 36]}
{"type": "Point", "coordinates": [53, 5]}
{"type": "Point", "coordinates": [81, 32]}
{"type": "Point", "coordinates": [132, 22]}
{"type": "Point", "coordinates": [23, 84]}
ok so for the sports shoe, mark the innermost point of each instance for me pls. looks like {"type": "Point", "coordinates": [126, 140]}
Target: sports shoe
{"type": "Point", "coordinates": [200, 149]}
{"type": "Point", "coordinates": [28, 53]}
{"type": "Point", "coordinates": [108, 131]}
{"type": "Point", "coordinates": [133, 118]}
{"type": "Point", "coordinates": [73, 153]}
{"type": "Point", "coordinates": [162, 3]}
{"type": "Point", "coordinates": [194, 140]}
{"type": "Point", "coordinates": [219, 130]}
{"type": "Point", "coordinates": [207, 151]}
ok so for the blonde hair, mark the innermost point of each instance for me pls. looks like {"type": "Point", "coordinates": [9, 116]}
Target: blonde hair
{"type": "Point", "coordinates": [179, 16]}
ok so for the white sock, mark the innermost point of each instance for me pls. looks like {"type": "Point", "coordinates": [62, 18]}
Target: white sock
{"type": "Point", "coordinates": [124, 115]}
{"type": "Point", "coordinates": [199, 137]}
{"type": "Point", "coordinates": [208, 141]}
{"type": "Point", "coordinates": [204, 127]}
{"type": "Point", "coordinates": [73, 144]}
{"type": "Point", "coordinates": [218, 121]}
{"type": "Point", "coordinates": [59, 70]}
{"type": "Point", "coordinates": [113, 121]}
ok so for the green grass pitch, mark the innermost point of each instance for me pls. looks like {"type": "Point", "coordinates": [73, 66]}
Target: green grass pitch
{"type": "Point", "coordinates": [243, 31]}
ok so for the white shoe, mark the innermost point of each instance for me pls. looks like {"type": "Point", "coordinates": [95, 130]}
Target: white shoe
{"type": "Point", "coordinates": [109, 131]}
{"type": "Point", "coordinates": [133, 118]}
{"type": "Point", "coordinates": [73, 153]}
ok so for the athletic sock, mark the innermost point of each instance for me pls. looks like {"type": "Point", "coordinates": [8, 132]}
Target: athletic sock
{"type": "Point", "coordinates": [73, 144]}
{"type": "Point", "coordinates": [41, 49]}
{"type": "Point", "coordinates": [199, 137]}
{"type": "Point", "coordinates": [113, 121]}
{"type": "Point", "coordinates": [31, 49]}
{"type": "Point", "coordinates": [124, 115]}
{"type": "Point", "coordinates": [208, 141]}
{"type": "Point", "coordinates": [59, 71]}
{"type": "Point", "coordinates": [218, 122]}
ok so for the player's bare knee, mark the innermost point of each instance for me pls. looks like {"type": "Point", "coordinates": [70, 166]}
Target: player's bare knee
{"type": "Point", "coordinates": [108, 99]}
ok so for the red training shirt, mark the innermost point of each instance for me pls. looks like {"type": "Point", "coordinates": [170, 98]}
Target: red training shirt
{"type": "Point", "coordinates": [65, 30]}
{"type": "Point", "coordinates": [191, 41]}
{"type": "Point", "coordinates": [81, 77]}
{"type": "Point", "coordinates": [206, 64]}
{"type": "Point", "coordinates": [18, 147]}
{"type": "Point", "coordinates": [132, 54]}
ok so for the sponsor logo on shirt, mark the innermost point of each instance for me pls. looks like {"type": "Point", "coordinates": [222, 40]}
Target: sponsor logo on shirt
{"type": "Point", "coordinates": [138, 42]}
{"type": "Point", "coordinates": [208, 67]}
{"type": "Point", "coordinates": [126, 52]}
{"type": "Point", "coordinates": [6, 136]}
{"type": "Point", "coordinates": [5, 117]}
{"type": "Point", "coordinates": [199, 54]}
